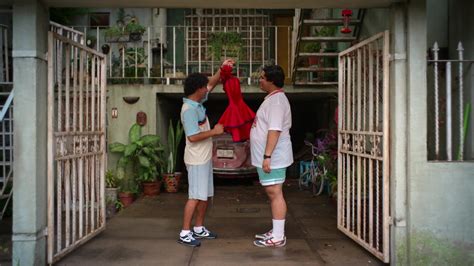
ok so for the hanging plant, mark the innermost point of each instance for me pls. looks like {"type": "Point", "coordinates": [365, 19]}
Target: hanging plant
{"type": "Point", "coordinates": [226, 44]}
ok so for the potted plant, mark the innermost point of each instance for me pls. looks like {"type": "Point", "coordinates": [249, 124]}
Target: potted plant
{"type": "Point", "coordinates": [142, 155]}
{"type": "Point", "coordinates": [135, 30]}
{"type": "Point", "coordinates": [226, 44]}
{"type": "Point", "coordinates": [111, 187]}
{"type": "Point", "coordinates": [314, 47]}
{"type": "Point", "coordinates": [113, 34]}
{"type": "Point", "coordinates": [170, 176]}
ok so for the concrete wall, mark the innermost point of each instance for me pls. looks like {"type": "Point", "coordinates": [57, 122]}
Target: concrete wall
{"type": "Point", "coordinates": [439, 195]}
{"type": "Point", "coordinates": [117, 130]}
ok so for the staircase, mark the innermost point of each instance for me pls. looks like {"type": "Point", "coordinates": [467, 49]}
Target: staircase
{"type": "Point", "coordinates": [318, 42]}
{"type": "Point", "coordinates": [6, 121]}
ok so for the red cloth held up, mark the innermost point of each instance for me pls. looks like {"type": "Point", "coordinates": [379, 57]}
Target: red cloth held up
{"type": "Point", "coordinates": [237, 119]}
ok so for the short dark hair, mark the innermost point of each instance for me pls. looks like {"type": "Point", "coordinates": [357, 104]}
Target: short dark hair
{"type": "Point", "coordinates": [193, 82]}
{"type": "Point", "coordinates": [275, 74]}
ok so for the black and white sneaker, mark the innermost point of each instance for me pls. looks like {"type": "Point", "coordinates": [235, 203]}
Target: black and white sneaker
{"type": "Point", "coordinates": [205, 234]}
{"type": "Point", "coordinates": [264, 236]}
{"type": "Point", "coordinates": [189, 240]}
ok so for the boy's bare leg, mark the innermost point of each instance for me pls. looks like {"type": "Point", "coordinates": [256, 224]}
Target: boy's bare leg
{"type": "Point", "coordinates": [201, 212]}
{"type": "Point", "coordinates": [189, 209]}
{"type": "Point", "coordinates": [277, 201]}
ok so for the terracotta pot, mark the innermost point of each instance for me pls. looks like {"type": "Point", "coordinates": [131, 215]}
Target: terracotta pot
{"type": "Point", "coordinates": [171, 184]}
{"type": "Point", "coordinates": [313, 60]}
{"type": "Point", "coordinates": [178, 176]}
{"type": "Point", "coordinates": [151, 188]}
{"type": "Point", "coordinates": [126, 198]}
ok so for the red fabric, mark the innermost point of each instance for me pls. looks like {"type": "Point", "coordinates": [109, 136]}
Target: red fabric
{"type": "Point", "coordinates": [238, 117]}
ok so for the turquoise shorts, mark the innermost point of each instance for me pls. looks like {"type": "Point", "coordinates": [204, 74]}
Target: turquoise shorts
{"type": "Point", "coordinates": [276, 176]}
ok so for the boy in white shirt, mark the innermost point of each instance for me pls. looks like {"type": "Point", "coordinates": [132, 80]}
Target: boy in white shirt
{"type": "Point", "coordinates": [271, 150]}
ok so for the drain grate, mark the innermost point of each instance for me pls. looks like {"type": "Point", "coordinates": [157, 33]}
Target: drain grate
{"type": "Point", "coordinates": [248, 210]}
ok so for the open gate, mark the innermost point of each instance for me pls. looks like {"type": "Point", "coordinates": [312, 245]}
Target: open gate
{"type": "Point", "coordinates": [363, 146]}
{"type": "Point", "coordinates": [76, 142]}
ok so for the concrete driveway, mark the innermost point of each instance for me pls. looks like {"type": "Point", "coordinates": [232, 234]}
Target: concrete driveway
{"type": "Point", "coordinates": [146, 233]}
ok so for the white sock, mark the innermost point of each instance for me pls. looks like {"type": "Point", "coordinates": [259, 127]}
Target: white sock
{"type": "Point", "coordinates": [184, 232]}
{"type": "Point", "coordinates": [198, 229]}
{"type": "Point", "coordinates": [278, 229]}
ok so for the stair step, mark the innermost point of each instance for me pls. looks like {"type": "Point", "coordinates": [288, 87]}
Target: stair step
{"type": "Point", "coordinates": [319, 54]}
{"type": "Point", "coordinates": [328, 39]}
{"type": "Point", "coordinates": [329, 22]}
{"type": "Point", "coordinates": [316, 69]}
{"type": "Point", "coordinates": [321, 83]}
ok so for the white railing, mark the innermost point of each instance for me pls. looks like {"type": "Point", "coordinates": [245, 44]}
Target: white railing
{"type": "Point", "coordinates": [6, 151]}
{"type": "Point", "coordinates": [5, 72]}
{"type": "Point", "coordinates": [185, 49]}
{"type": "Point", "coordinates": [449, 105]}
{"type": "Point", "coordinates": [67, 32]}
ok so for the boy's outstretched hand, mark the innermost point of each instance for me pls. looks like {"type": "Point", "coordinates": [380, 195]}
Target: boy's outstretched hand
{"type": "Point", "coordinates": [218, 129]}
{"type": "Point", "coordinates": [228, 62]}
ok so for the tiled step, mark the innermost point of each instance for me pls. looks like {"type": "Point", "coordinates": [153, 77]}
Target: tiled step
{"type": "Point", "coordinates": [316, 69]}
{"type": "Point", "coordinates": [328, 39]}
{"type": "Point", "coordinates": [328, 22]}
{"type": "Point", "coordinates": [319, 54]}
{"type": "Point", "coordinates": [316, 83]}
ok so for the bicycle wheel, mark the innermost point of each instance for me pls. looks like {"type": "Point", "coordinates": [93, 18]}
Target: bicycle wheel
{"type": "Point", "coordinates": [303, 180]}
{"type": "Point", "coordinates": [317, 184]}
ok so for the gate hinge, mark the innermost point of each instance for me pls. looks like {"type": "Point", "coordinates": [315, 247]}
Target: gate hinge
{"type": "Point", "coordinates": [45, 231]}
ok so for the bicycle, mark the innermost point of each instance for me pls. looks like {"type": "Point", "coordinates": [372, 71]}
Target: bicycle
{"type": "Point", "coordinates": [315, 174]}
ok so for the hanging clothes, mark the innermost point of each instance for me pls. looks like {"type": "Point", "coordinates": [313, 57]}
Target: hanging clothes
{"type": "Point", "coordinates": [237, 119]}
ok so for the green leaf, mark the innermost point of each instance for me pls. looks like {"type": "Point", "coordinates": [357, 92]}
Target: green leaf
{"type": "Point", "coordinates": [123, 161]}
{"type": "Point", "coordinates": [150, 140]}
{"type": "Point", "coordinates": [120, 173]}
{"type": "Point", "coordinates": [134, 133]}
{"type": "Point", "coordinates": [117, 147]}
{"type": "Point", "coordinates": [130, 149]}
{"type": "Point", "coordinates": [144, 161]}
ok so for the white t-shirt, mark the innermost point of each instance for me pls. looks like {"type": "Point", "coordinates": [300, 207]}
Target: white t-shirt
{"type": "Point", "coordinates": [273, 114]}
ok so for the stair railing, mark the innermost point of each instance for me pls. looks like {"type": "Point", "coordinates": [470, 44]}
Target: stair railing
{"type": "Point", "coordinates": [6, 152]}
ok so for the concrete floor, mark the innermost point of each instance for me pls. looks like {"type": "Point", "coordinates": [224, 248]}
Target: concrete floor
{"type": "Point", "coordinates": [146, 233]}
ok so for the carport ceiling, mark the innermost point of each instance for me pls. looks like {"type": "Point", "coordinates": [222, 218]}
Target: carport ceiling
{"type": "Point", "coordinates": [267, 4]}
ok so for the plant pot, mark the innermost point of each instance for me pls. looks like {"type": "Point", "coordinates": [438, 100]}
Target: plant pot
{"type": "Point", "coordinates": [110, 210]}
{"type": "Point", "coordinates": [135, 36]}
{"type": "Point", "coordinates": [313, 60]}
{"type": "Point", "coordinates": [178, 176]}
{"type": "Point", "coordinates": [105, 48]}
{"type": "Point", "coordinates": [151, 188]}
{"type": "Point", "coordinates": [126, 198]}
{"type": "Point", "coordinates": [171, 184]}
{"type": "Point", "coordinates": [111, 194]}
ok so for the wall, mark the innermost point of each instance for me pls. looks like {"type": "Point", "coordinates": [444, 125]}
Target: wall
{"type": "Point", "coordinates": [117, 130]}
{"type": "Point", "coordinates": [439, 195]}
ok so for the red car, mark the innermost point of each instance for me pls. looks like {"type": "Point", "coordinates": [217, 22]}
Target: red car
{"type": "Point", "coordinates": [231, 159]}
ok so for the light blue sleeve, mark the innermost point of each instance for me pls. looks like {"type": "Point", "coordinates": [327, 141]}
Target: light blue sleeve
{"type": "Point", "coordinates": [191, 122]}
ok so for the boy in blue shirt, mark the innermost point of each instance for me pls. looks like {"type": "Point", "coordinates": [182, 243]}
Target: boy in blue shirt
{"type": "Point", "coordinates": [198, 154]}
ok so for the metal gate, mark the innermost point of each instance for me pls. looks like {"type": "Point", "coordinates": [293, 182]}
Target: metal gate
{"type": "Point", "coordinates": [76, 142]}
{"type": "Point", "coordinates": [363, 146]}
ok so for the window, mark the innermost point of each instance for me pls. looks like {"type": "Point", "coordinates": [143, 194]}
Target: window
{"type": "Point", "coordinates": [249, 22]}
{"type": "Point", "coordinates": [99, 19]}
